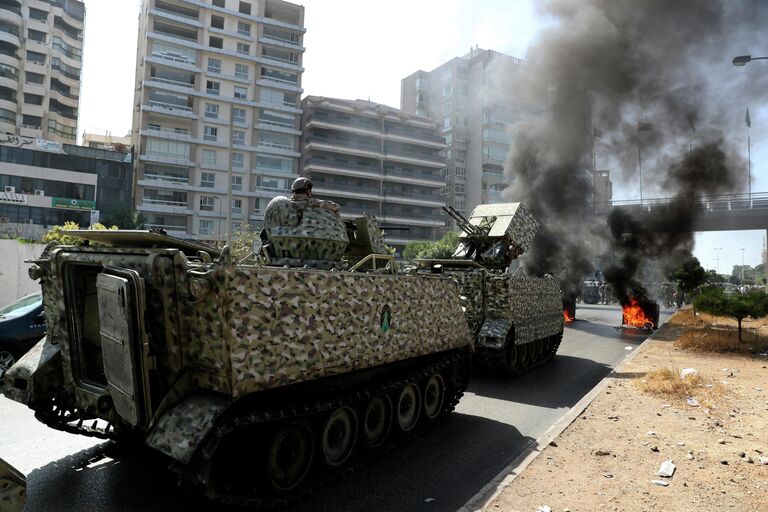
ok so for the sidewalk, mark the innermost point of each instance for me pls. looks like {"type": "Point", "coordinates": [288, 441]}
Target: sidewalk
{"type": "Point", "coordinates": [609, 456]}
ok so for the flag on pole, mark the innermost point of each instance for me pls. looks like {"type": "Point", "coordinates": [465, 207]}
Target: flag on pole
{"type": "Point", "coordinates": [747, 120]}
{"type": "Point", "coordinates": [644, 127]}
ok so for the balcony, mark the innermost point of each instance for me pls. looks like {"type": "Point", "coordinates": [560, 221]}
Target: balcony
{"type": "Point", "coordinates": [347, 126]}
{"type": "Point", "coordinates": [169, 81]}
{"type": "Point", "coordinates": [163, 206]}
{"type": "Point", "coordinates": [338, 190]}
{"type": "Point", "coordinates": [186, 19]}
{"type": "Point", "coordinates": [415, 158]}
{"type": "Point", "coordinates": [415, 177]}
{"type": "Point", "coordinates": [347, 169]}
{"type": "Point", "coordinates": [11, 13]}
{"type": "Point", "coordinates": [165, 133]}
{"type": "Point", "coordinates": [167, 159]}
{"type": "Point", "coordinates": [170, 109]}
{"type": "Point", "coordinates": [331, 146]}
{"type": "Point", "coordinates": [414, 220]}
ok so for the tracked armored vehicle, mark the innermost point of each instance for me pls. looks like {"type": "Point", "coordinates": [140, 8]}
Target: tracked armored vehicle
{"type": "Point", "coordinates": [247, 376]}
{"type": "Point", "coordinates": [516, 319]}
{"type": "Point", "coordinates": [13, 488]}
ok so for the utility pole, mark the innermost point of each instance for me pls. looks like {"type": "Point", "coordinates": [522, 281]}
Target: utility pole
{"type": "Point", "coordinates": [717, 258]}
{"type": "Point", "coordinates": [742, 266]}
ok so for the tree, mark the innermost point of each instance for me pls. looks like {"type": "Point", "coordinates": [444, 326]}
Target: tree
{"type": "Point", "coordinates": [243, 239]}
{"type": "Point", "coordinates": [441, 249]}
{"type": "Point", "coordinates": [714, 277]}
{"type": "Point", "coordinates": [59, 233]}
{"type": "Point", "coordinates": [125, 218]}
{"type": "Point", "coordinates": [716, 302]}
{"type": "Point", "coordinates": [689, 276]}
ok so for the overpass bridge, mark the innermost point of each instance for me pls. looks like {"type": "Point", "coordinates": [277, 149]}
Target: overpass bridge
{"type": "Point", "coordinates": [730, 212]}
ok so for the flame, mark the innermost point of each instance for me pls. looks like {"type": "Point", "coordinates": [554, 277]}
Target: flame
{"type": "Point", "coordinates": [634, 315]}
{"type": "Point", "coordinates": [566, 316]}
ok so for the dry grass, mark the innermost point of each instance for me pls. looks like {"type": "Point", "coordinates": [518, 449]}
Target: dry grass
{"type": "Point", "coordinates": [668, 383]}
{"type": "Point", "coordinates": [707, 333]}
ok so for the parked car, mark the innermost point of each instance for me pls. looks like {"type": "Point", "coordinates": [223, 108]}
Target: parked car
{"type": "Point", "coordinates": [22, 324]}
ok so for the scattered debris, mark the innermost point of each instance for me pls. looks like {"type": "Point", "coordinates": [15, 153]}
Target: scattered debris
{"type": "Point", "coordinates": [688, 371]}
{"type": "Point", "coordinates": [693, 402]}
{"type": "Point", "coordinates": [689, 456]}
{"type": "Point", "coordinates": [544, 508]}
{"type": "Point", "coordinates": [721, 441]}
{"type": "Point", "coordinates": [665, 406]}
{"type": "Point", "coordinates": [553, 443]}
{"type": "Point", "coordinates": [628, 348]}
{"type": "Point", "coordinates": [681, 443]}
{"type": "Point", "coordinates": [667, 469]}
{"type": "Point", "coordinates": [724, 462]}
{"type": "Point", "coordinates": [661, 483]}
{"type": "Point", "coordinates": [608, 475]}
{"type": "Point", "coordinates": [651, 433]}
{"type": "Point", "coordinates": [614, 418]}
{"type": "Point", "coordinates": [764, 461]}
{"type": "Point", "coordinates": [655, 449]}
{"type": "Point", "coordinates": [602, 453]}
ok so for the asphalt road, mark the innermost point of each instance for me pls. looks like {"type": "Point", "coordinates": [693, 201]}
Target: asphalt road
{"type": "Point", "coordinates": [495, 421]}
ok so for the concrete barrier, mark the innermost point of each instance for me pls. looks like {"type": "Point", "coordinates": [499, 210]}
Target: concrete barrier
{"type": "Point", "coordinates": [14, 280]}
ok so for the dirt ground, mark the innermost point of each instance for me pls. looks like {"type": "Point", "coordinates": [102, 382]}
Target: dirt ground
{"type": "Point", "coordinates": [609, 457]}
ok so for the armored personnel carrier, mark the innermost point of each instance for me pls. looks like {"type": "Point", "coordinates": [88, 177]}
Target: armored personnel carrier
{"type": "Point", "coordinates": [247, 376]}
{"type": "Point", "coordinates": [516, 319]}
{"type": "Point", "coordinates": [13, 488]}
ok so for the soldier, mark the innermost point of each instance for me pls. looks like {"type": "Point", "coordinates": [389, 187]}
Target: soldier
{"type": "Point", "coordinates": [284, 212]}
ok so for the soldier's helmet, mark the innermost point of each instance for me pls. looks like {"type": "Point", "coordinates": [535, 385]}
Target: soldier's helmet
{"type": "Point", "coordinates": [301, 184]}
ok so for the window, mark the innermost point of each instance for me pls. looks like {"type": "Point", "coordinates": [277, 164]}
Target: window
{"type": "Point", "coordinates": [274, 97]}
{"type": "Point", "coordinates": [241, 70]}
{"type": "Point", "coordinates": [206, 203]}
{"type": "Point", "coordinates": [460, 205]}
{"type": "Point", "coordinates": [33, 99]}
{"type": "Point", "coordinates": [209, 157]}
{"type": "Point", "coordinates": [238, 137]}
{"type": "Point", "coordinates": [168, 148]}
{"type": "Point", "coordinates": [245, 8]}
{"type": "Point", "coordinates": [206, 226]}
{"type": "Point", "coordinates": [238, 115]}
{"type": "Point", "coordinates": [31, 122]}
{"type": "Point", "coordinates": [279, 76]}
{"type": "Point", "coordinates": [238, 162]}
{"type": "Point", "coordinates": [241, 93]}
{"type": "Point", "coordinates": [272, 163]}
{"type": "Point", "coordinates": [215, 42]}
{"type": "Point", "coordinates": [276, 118]}
{"type": "Point", "coordinates": [461, 172]}
{"type": "Point", "coordinates": [211, 111]}
{"type": "Point", "coordinates": [208, 180]}
{"type": "Point", "coordinates": [35, 57]}
{"type": "Point", "coordinates": [36, 35]}
{"type": "Point", "coordinates": [459, 188]}
{"type": "Point", "coordinates": [212, 87]}
{"type": "Point", "coordinates": [243, 48]}
{"type": "Point", "coordinates": [243, 28]}
{"type": "Point", "coordinates": [214, 65]}
{"type": "Point", "coordinates": [210, 133]}
{"type": "Point", "coordinates": [237, 205]}
{"type": "Point", "coordinates": [218, 3]}
{"type": "Point", "coordinates": [217, 22]}
{"type": "Point", "coordinates": [38, 15]}
{"type": "Point", "coordinates": [34, 78]}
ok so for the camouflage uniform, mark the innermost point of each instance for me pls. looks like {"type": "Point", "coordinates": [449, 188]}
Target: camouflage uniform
{"type": "Point", "coordinates": [284, 212]}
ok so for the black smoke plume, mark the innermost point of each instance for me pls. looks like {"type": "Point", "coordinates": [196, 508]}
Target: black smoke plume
{"type": "Point", "coordinates": [622, 79]}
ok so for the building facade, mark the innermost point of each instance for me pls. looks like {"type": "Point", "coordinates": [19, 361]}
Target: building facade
{"type": "Point", "coordinates": [45, 183]}
{"type": "Point", "coordinates": [217, 112]}
{"type": "Point", "coordinates": [373, 158]}
{"type": "Point", "coordinates": [106, 141]}
{"type": "Point", "coordinates": [470, 99]}
{"type": "Point", "coordinates": [41, 55]}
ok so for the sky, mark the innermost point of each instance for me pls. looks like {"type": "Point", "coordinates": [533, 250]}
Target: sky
{"type": "Point", "coordinates": [361, 49]}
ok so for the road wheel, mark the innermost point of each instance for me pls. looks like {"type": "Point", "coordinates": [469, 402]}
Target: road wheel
{"type": "Point", "coordinates": [525, 355]}
{"type": "Point", "coordinates": [546, 347]}
{"type": "Point", "coordinates": [289, 455]}
{"type": "Point", "coordinates": [434, 394]}
{"type": "Point", "coordinates": [7, 359]}
{"type": "Point", "coordinates": [339, 436]}
{"type": "Point", "coordinates": [408, 407]}
{"type": "Point", "coordinates": [377, 420]}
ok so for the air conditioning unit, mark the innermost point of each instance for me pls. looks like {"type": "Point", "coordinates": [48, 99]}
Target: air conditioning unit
{"type": "Point", "coordinates": [39, 192]}
{"type": "Point", "coordinates": [10, 189]}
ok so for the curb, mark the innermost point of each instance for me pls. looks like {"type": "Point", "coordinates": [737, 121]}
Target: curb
{"type": "Point", "coordinates": [507, 475]}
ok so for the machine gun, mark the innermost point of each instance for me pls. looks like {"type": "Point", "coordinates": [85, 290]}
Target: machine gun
{"type": "Point", "coordinates": [495, 234]}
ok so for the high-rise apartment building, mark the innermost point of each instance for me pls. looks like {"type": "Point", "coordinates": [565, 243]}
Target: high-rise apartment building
{"type": "Point", "coordinates": [41, 55]}
{"type": "Point", "coordinates": [217, 111]}
{"type": "Point", "coordinates": [372, 158]}
{"type": "Point", "coordinates": [470, 99]}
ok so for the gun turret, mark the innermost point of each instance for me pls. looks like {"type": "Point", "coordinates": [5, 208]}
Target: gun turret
{"type": "Point", "coordinates": [495, 234]}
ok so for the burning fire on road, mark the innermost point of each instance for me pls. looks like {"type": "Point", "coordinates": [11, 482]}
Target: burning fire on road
{"type": "Point", "coordinates": [640, 314]}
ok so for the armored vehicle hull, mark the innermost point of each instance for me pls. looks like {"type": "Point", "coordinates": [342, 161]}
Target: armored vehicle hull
{"type": "Point", "coordinates": [516, 319]}
{"type": "Point", "coordinates": [223, 366]}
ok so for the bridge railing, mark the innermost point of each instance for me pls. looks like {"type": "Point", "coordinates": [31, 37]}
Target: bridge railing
{"type": "Point", "coordinates": [727, 202]}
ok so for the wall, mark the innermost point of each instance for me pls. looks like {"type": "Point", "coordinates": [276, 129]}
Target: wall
{"type": "Point", "coordinates": [14, 280]}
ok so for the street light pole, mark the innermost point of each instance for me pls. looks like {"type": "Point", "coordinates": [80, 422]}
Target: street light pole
{"type": "Point", "coordinates": [743, 60]}
{"type": "Point", "coordinates": [742, 266]}
{"type": "Point", "coordinates": [717, 258]}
